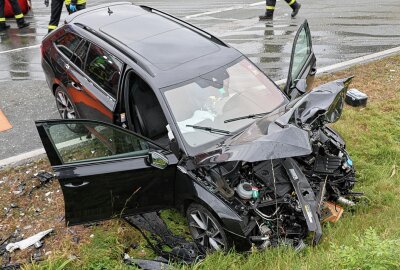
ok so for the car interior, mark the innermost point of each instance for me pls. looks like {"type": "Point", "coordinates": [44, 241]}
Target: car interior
{"type": "Point", "coordinates": [145, 111]}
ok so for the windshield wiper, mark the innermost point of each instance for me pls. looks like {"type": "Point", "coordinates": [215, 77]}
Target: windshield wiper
{"type": "Point", "coordinates": [210, 129]}
{"type": "Point", "coordinates": [253, 116]}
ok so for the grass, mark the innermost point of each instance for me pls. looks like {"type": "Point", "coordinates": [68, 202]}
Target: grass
{"type": "Point", "coordinates": [366, 237]}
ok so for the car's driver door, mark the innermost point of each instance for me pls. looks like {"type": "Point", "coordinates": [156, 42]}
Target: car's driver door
{"type": "Point", "coordinates": [106, 171]}
{"type": "Point", "coordinates": [302, 67]}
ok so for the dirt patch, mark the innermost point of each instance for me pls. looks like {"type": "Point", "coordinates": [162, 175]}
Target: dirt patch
{"type": "Point", "coordinates": [31, 213]}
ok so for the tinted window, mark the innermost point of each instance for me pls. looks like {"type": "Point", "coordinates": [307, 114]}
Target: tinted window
{"type": "Point", "coordinates": [68, 43]}
{"type": "Point", "coordinates": [94, 142]}
{"type": "Point", "coordinates": [104, 69]}
{"type": "Point", "coordinates": [80, 54]}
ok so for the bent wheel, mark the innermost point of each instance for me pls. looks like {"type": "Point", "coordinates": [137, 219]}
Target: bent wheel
{"type": "Point", "coordinates": [206, 229]}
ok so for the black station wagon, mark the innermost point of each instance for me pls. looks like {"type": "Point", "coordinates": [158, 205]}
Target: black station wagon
{"type": "Point", "coordinates": [158, 114]}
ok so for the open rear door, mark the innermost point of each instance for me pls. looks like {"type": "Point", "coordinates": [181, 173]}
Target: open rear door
{"type": "Point", "coordinates": [302, 67]}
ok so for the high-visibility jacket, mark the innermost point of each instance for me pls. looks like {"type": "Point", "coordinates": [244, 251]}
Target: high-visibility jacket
{"type": "Point", "coordinates": [75, 2]}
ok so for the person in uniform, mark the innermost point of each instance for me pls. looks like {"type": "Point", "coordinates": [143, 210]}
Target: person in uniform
{"type": "Point", "coordinates": [270, 8]}
{"type": "Point", "coordinates": [17, 14]}
{"type": "Point", "coordinates": [56, 9]}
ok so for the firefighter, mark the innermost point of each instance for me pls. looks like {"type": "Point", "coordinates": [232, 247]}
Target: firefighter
{"type": "Point", "coordinates": [270, 8]}
{"type": "Point", "coordinates": [56, 8]}
{"type": "Point", "coordinates": [17, 14]}
{"type": "Point", "coordinates": [75, 5]}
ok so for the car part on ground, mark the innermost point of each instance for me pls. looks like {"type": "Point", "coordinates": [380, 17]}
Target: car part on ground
{"type": "Point", "coordinates": [356, 98]}
{"type": "Point", "coordinates": [23, 244]}
{"type": "Point", "coordinates": [181, 250]}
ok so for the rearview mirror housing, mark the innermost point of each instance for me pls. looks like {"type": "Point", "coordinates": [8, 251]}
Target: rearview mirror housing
{"type": "Point", "coordinates": [301, 85]}
{"type": "Point", "coordinates": [158, 160]}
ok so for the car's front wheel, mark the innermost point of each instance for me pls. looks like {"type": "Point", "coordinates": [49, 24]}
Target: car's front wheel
{"type": "Point", "coordinates": [206, 229]}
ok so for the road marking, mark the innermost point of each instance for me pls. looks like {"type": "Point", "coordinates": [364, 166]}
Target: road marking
{"type": "Point", "coordinates": [21, 49]}
{"type": "Point", "coordinates": [37, 152]}
{"type": "Point", "coordinates": [224, 9]}
{"type": "Point", "coordinates": [346, 64]}
{"type": "Point", "coordinates": [4, 123]}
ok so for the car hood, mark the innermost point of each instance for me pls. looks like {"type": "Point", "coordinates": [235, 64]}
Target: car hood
{"type": "Point", "coordinates": [284, 132]}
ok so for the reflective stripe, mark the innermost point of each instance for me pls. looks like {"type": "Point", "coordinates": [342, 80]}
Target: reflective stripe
{"type": "Point", "coordinates": [79, 2]}
{"type": "Point", "coordinates": [52, 27]}
{"type": "Point", "coordinates": [292, 2]}
{"type": "Point", "coordinates": [19, 16]}
{"type": "Point", "coordinates": [2, 19]}
{"type": "Point", "coordinates": [271, 7]}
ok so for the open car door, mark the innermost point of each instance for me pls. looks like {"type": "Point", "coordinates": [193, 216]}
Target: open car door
{"type": "Point", "coordinates": [302, 67]}
{"type": "Point", "coordinates": [106, 171]}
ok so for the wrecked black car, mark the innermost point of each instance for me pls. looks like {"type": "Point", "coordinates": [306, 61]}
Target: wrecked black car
{"type": "Point", "coordinates": [192, 124]}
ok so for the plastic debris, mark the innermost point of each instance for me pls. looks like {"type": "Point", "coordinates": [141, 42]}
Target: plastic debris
{"type": "Point", "coordinates": [355, 98]}
{"type": "Point", "coordinates": [44, 178]}
{"type": "Point", "coordinates": [156, 264]}
{"type": "Point", "coordinates": [27, 242]}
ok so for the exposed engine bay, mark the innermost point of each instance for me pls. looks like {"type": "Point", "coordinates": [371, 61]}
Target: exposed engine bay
{"type": "Point", "coordinates": [283, 200]}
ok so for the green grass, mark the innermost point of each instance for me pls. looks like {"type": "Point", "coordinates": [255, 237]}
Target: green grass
{"type": "Point", "coordinates": [366, 237]}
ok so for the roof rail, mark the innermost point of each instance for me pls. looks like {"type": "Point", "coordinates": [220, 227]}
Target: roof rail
{"type": "Point", "coordinates": [186, 24]}
{"type": "Point", "coordinates": [117, 46]}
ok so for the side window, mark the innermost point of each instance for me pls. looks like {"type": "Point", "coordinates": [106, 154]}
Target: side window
{"type": "Point", "coordinates": [68, 43]}
{"type": "Point", "coordinates": [104, 69]}
{"type": "Point", "coordinates": [302, 51]}
{"type": "Point", "coordinates": [80, 54]}
{"type": "Point", "coordinates": [92, 141]}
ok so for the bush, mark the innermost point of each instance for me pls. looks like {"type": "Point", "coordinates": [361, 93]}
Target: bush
{"type": "Point", "coordinates": [369, 252]}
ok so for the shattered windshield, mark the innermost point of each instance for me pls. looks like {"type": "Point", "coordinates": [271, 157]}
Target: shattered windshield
{"type": "Point", "coordinates": [232, 91]}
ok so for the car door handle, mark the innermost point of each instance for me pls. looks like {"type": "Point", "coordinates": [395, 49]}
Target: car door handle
{"type": "Point", "coordinates": [77, 86]}
{"type": "Point", "coordinates": [72, 185]}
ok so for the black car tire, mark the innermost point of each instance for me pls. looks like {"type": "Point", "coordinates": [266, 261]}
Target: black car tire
{"type": "Point", "coordinates": [67, 109]}
{"type": "Point", "coordinates": [205, 229]}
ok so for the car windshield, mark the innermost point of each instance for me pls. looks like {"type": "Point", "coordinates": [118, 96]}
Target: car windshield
{"type": "Point", "coordinates": [232, 91]}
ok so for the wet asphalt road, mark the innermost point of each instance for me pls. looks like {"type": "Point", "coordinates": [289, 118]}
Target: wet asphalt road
{"type": "Point", "coordinates": [341, 30]}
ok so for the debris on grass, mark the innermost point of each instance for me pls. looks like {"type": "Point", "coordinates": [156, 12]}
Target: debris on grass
{"type": "Point", "coordinates": [23, 244]}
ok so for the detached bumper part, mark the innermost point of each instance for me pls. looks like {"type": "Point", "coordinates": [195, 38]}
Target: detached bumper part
{"type": "Point", "coordinates": [306, 197]}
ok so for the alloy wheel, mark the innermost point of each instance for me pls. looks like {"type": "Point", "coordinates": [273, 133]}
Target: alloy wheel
{"type": "Point", "coordinates": [64, 106]}
{"type": "Point", "coordinates": [205, 231]}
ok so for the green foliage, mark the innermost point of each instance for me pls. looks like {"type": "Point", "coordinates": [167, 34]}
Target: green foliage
{"type": "Point", "coordinates": [370, 252]}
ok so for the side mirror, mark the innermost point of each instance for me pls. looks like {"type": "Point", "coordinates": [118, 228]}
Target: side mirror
{"type": "Point", "coordinates": [301, 85]}
{"type": "Point", "coordinates": [158, 160]}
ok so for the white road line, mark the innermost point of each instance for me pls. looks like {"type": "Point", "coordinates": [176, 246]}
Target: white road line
{"type": "Point", "coordinates": [345, 64]}
{"type": "Point", "coordinates": [20, 49]}
{"type": "Point", "coordinates": [223, 10]}
{"type": "Point", "coordinates": [335, 67]}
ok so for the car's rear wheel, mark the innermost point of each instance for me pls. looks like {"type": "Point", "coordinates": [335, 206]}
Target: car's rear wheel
{"type": "Point", "coordinates": [206, 229]}
{"type": "Point", "coordinates": [67, 108]}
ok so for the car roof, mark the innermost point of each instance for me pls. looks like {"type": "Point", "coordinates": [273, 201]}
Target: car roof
{"type": "Point", "coordinates": [172, 50]}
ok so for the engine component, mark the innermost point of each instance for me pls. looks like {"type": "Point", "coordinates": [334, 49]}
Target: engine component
{"type": "Point", "coordinates": [266, 173]}
{"type": "Point", "coordinates": [245, 191]}
{"type": "Point", "coordinates": [344, 201]}
{"type": "Point", "coordinates": [222, 185]}
{"type": "Point", "coordinates": [327, 164]}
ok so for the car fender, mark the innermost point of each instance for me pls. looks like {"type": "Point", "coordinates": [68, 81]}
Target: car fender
{"type": "Point", "coordinates": [188, 189]}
